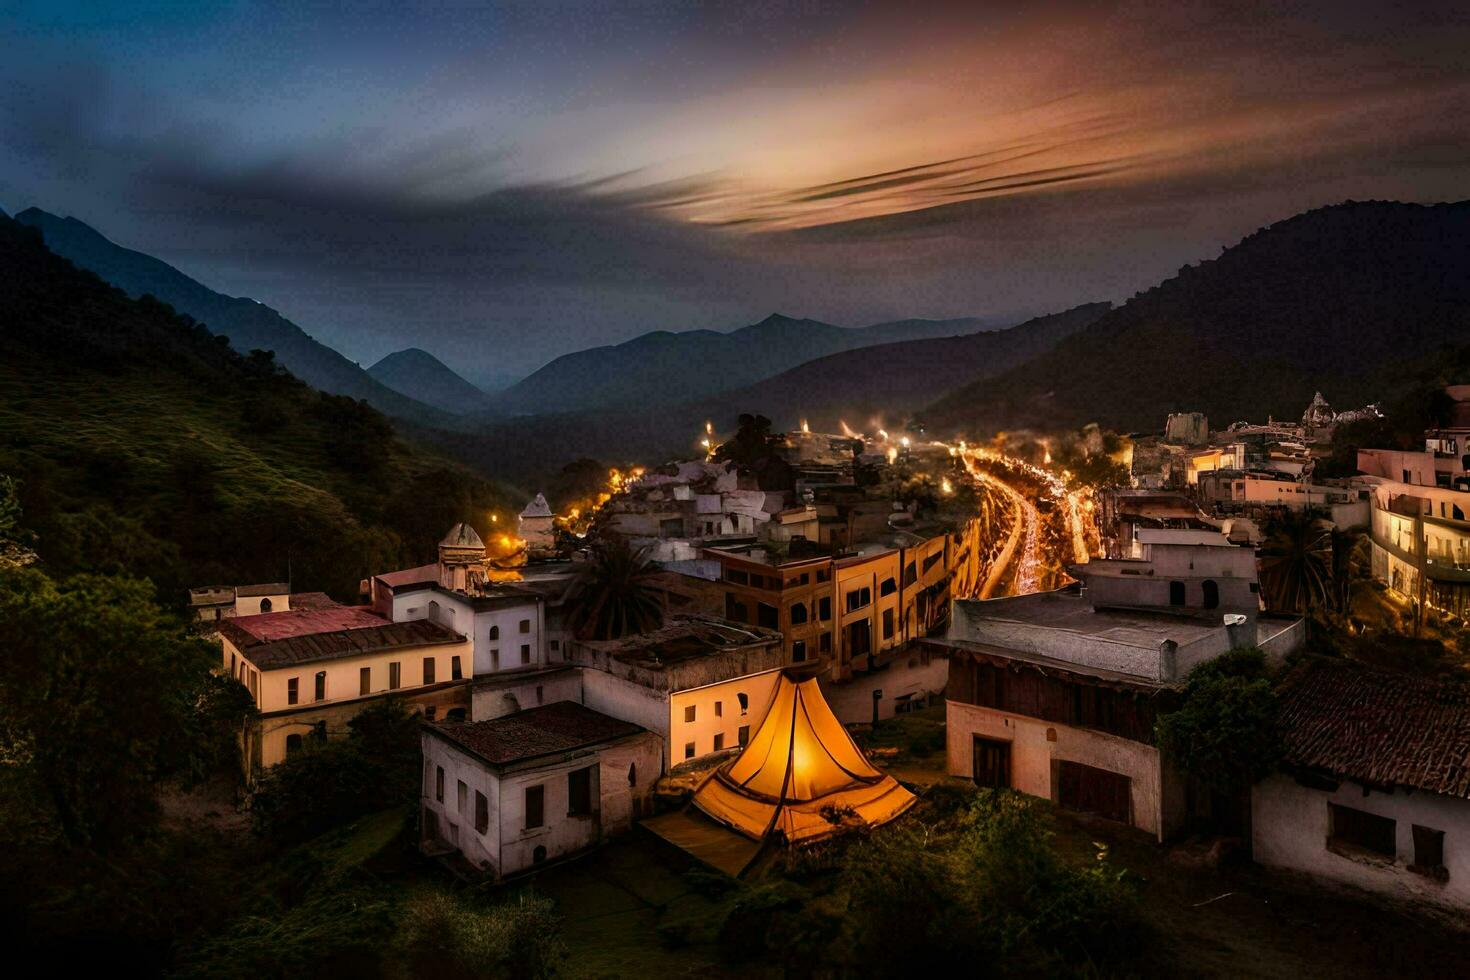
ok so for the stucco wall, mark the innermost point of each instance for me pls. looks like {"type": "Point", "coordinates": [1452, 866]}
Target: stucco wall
{"type": "Point", "coordinates": [455, 825]}
{"type": "Point", "coordinates": [1032, 755]}
{"type": "Point", "coordinates": [343, 678]}
{"type": "Point", "coordinates": [758, 690]}
{"type": "Point", "coordinates": [1290, 825]}
{"type": "Point", "coordinates": [504, 695]}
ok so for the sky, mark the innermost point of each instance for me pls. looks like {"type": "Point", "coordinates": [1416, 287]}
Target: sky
{"type": "Point", "coordinates": [503, 183]}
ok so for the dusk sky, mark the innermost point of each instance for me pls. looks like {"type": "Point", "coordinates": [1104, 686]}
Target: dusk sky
{"type": "Point", "coordinates": [501, 184]}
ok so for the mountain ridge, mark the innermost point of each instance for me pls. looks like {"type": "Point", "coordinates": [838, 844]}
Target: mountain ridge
{"type": "Point", "coordinates": [419, 375]}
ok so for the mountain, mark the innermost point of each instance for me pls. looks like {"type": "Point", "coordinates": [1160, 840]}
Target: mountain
{"type": "Point", "coordinates": [143, 444]}
{"type": "Point", "coordinates": [424, 378]}
{"type": "Point", "coordinates": [664, 368]}
{"type": "Point", "coordinates": [887, 381]}
{"type": "Point", "coordinates": [249, 325]}
{"type": "Point", "coordinates": [1337, 300]}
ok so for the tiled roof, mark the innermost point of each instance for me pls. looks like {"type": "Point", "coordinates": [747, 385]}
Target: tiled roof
{"type": "Point", "coordinates": [557, 727]}
{"type": "Point", "coordinates": [249, 631]}
{"type": "Point", "coordinates": [1379, 728]}
{"type": "Point", "coordinates": [316, 647]}
{"type": "Point", "coordinates": [310, 601]}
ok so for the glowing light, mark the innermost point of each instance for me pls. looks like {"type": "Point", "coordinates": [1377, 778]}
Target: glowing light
{"type": "Point", "coordinates": [709, 428]}
{"type": "Point", "coordinates": [945, 486]}
{"type": "Point", "coordinates": [882, 434]}
{"type": "Point", "coordinates": [904, 442]}
{"type": "Point", "coordinates": [494, 518]}
{"type": "Point", "coordinates": [806, 429]}
{"type": "Point", "coordinates": [892, 454]}
{"type": "Point", "coordinates": [847, 431]}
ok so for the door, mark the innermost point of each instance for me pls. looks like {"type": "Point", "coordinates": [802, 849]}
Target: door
{"type": "Point", "coordinates": [1090, 790]}
{"type": "Point", "coordinates": [992, 763]}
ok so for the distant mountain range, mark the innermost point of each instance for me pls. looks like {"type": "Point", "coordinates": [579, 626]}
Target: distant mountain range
{"type": "Point", "coordinates": [424, 378]}
{"type": "Point", "coordinates": [250, 325]}
{"type": "Point", "coordinates": [1332, 300]}
{"type": "Point", "coordinates": [664, 368]}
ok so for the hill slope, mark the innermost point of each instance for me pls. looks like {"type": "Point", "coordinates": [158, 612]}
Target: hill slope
{"type": "Point", "coordinates": [145, 445]}
{"type": "Point", "coordinates": [424, 378]}
{"type": "Point", "coordinates": [663, 368]}
{"type": "Point", "coordinates": [248, 324]}
{"type": "Point", "coordinates": [1332, 300]}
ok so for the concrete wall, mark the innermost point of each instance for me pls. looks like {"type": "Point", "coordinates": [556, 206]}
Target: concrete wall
{"type": "Point", "coordinates": [627, 700]}
{"type": "Point", "coordinates": [1291, 824]}
{"type": "Point", "coordinates": [456, 825]}
{"type": "Point", "coordinates": [503, 695]}
{"type": "Point", "coordinates": [923, 673]}
{"type": "Point", "coordinates": [717, 712]}
{"type": "Point", "coordinates": [458, 614]}
{"type": "Point", "coordinates": [250, 605]}
{"type": "Point", "coordinates": [1035, 745]}
{"type": "Point", "coordinates": [344, 680]}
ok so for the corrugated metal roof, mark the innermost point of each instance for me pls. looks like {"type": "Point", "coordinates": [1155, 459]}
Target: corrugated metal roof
{"type": "Point", "coordinates": [1377, 727]}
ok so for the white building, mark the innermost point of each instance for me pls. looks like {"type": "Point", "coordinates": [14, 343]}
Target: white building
{"type": "Point", "coordinates": [1376, 791]}
{"type": "Point", "coordinates": [213, 603]}
{"type": "Point", "coordinates": [1056, 695]}
{"type": "Point", "coordinates": [701, 683]}
{"type": "Point", "coordinates": [1178, 567]}
{"type": "Point", "coordinates": [514, 792]}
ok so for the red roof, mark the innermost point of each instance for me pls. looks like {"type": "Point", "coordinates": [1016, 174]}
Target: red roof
{"type": "Point", "coordinates": [1376, 727]}
{"type": "Point", "coordinates": [557, 727]}
{"type": "Point", "coordinates": [303, 601]}
{"type": "Point", "coordinates": [247, 631]}
{"type": "Point", "coordinates": [409, 576]}
{"type": "Point", "coordinates": [314, 647]}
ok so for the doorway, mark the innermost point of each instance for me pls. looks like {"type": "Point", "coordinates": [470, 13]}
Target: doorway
{"type": "Point", "coordinates": [992, 763]}
{"type": "Point", "coordinates": [1091, 790]}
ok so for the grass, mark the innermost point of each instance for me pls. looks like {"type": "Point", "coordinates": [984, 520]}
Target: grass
{"type": "Point", "coordinates": [914, 739]}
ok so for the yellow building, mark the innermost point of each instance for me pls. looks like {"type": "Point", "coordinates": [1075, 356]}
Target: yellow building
{"type": "Point", "coordinates": [310, 672]}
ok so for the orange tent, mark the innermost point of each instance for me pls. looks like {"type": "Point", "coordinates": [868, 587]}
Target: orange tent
{"type": "Point", "coordinates": [801, 776]}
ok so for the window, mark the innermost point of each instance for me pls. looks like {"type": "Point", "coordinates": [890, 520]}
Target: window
{"type": "Point", "coordinates": [365, 680]}
{"type": "Point", "coordinates": [233, 670]}
{"type": "Point", "coordinates": [887, 587]}
{"type": "Point", "coordinates": [428, 670]}
{"type": "Point", "coordinates": [1364, 831]}
{"type": "Point", "coordinates": [632, 774]}
{"type": "Point", "coordinates": [394, 678]}
{"type": "Point", "coordinates": [1429, 852]}
{"type": "Point", "coordinates": [824, 643]}
{"type": "Point", "coordinates": [767, 616]}
{"type": "Point", "coordinates": [1176, 593]}
{"type": "Point", "coordinates": [688, 750]}
{"type": "Point", "coordinates": [462, 800]}
{"type": "Point", "coordinates": [525, 653]}
{"type": "Point", "coordinates": [265, 605]}
{"type": "Point", "coordinates": [495, 659]}
{"type": "Point", "coordinates": [494, 632]}
{"type": "Point", "coordinates": [319, 731]}
{"type": "Point", "coordinates": [555, 645]}
{"type": "Point", "coordinates": [482, 813]}
{"type": "Point", "coordinates": [858, 598]}
{"type": "Point", "coordinates": [719, 741]}
{"type": "Point", "coordinates": [579, 792]}
{"type": "Point", "coordinates": [456, 672]}
{"type": "Point", "coordinates": [932, 560]}
{"type": "Point", "coordinates": [888, 624]}
{"type": "Point", "coordinates": [525, 626]}
{"type": "Point", "coordinates": [744, 700]}
{"type": "Point", "coordinates": [719, 709]}
{"type": "Point", "coordinates": [291, 690]}
{"type": "Point", "coordinates": [798, 651]}
{"type": "Point", "coordinates": [321, 685]}
{"type": "Point", "coordinates": [744, 734]}
{"type": "Point", "coordinates": [454, 714]}
{"type": "Point", "coordinates": [1212, 593]}
{"type": "Point", "coordinates": [909, 577]}
{"type": "Point", "coordinates": [798, 613]}
{"type": "Point", "coordinates": [439, 783]}
{"type": "Point", "coordinates": [430, 712]}
{"type": "Point", "coordinates": [539, 854]}
{"type": "Point", "coordinates": [824, 608]}
{"type": "Point", "coordinates": [824, 575]}
{"type": "Point", "coordinates": [738, 577]}
{"type": "Point", "coordinates": [293, 744]}
{"type": "Point", "coordinates": [689, 711]}
{"type": "Point", "coordinates": [535, 806]}
{"type": "Point", "coordinates": [734, 608]}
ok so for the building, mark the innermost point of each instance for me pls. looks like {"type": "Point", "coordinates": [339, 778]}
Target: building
{"type": "Point", "coordinates": [1187, 429]}
{"type": "Point", "coordinates": [1201, 569]}
{"type": "Point", "coordinates": [536, 526]}
{"type": "Point", "coordinates": [700, 683]}
{"type": "Point", "coordinates": [514, 792]}
{"type": "Point", "coordinates": [1376, 787]}
{"type": "Point", "coordinates": [309, 672]}
{"type": "Point", "coordinates": [1055, 694]}
{"type": "Point", "coordinates": [1420, 542]}
{"type": "Point", "coordinates": [1240, 492]}
{"type": "Point", "coordinates": [212, 603]}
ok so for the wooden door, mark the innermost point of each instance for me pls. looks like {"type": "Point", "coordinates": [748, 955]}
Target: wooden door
{"type": "Point", "coordinates": [1091, 790]}
{"type": "Point", "coordinates": [992, 763]}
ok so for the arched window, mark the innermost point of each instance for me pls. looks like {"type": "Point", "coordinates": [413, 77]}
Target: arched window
{"type": "Point", "coordinates": [433, 611]}
{"type": "Point", "coordinates": [744, 701]}
{"type": "Point", "coordinates": [454, 714]}
{"type": "Point", "coordinates": [494, 632]}
{"type": "Point", "coordinates": [1212, 593]}
{"type": "Point", "coordinates": [293, 744]}
{"type": "Point", "coordinates": [633, 774]}
{"type": "Point", "coordinates": [265, 605]}
{"type": "Point", "coordinates": [1176, 593]}
{"type": "Point", "coordinates": [798, 613]}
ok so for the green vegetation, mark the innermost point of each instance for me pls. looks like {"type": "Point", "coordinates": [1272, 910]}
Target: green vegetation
{"type": "Point", "coordinates": [1226, 733]}
{"type": "Point", "coordinates": [613, 595]}
{"type": "Point", "coordinates": [141, 444]}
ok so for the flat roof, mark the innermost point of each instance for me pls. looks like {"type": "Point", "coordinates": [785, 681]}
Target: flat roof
{"type": "Point", "coordinates": [557, 727]}
{"type": "Point", "coordinates": [1183, 536]}
{"type": "Point", "coordinates": [268, 588]}
{"type": "Point", "coordinates": [1069, 611]}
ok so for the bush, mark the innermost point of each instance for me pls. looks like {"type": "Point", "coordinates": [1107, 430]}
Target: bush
{"type": "Point", "coordinates": [443, 936]}
{"type": "Point", "coordinates": [1226, 733]}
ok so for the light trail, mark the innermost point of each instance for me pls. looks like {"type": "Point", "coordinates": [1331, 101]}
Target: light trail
{"type": "Point", "coordinates": [1028, 563]}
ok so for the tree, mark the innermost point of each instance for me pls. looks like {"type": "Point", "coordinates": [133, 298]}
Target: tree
{"type": "Point", "coordinates": [1226, 732]}
{"type": "Point", "coordinates": [102, 698]}
{"type": "Point", "coordinates": [15, 550]}
{"type": "Point", "coordinates": [614, 595]}
{"type": "Point", "coordinates": [1296, 562]}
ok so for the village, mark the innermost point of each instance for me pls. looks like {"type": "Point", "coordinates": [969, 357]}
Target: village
{"type": "Point", "coordinates": [706, 655]}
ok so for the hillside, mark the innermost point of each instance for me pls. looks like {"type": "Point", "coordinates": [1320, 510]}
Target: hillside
{"type": "Point", "coordinates": [144, 444]}
{"type": "Point", "coordinates": [249, 325]}
{"type": "Point", "coordinates": [1333, 300]}
{"type": "Point", "coordinates": [664, 368]}
{"type": "Point", "coordinates": [886, 381]}
{"type": "Point", "coordinates": [424, 378]}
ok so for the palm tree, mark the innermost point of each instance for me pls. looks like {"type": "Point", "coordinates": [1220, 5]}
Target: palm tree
{"type": "Point", "coordinates": [1297, 563]}
{"type": "Point", "coordinates": [1349, 565]}
{"type": "Point", "coordinates": [614, 595]}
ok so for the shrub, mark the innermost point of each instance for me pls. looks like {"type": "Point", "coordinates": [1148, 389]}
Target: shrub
{"type": "Point", "coordinates": [1225, 733]}
{"type": "Point", "coordinates": [443, 936]}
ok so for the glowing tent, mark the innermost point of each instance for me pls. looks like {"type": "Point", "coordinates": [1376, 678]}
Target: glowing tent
{"type": "Point", "coordinates": [801, 776]}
